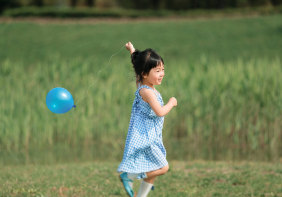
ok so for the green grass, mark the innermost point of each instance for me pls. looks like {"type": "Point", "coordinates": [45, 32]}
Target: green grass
{"type": "Point", "coordinates": [193, 179]}
{"type": "Point", "coordinates": [226, 75]}
{"type": "Point", "coordinates": [221, 39]}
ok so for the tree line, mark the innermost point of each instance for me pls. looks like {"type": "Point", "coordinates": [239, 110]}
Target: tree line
{"type": "Point", "coordinates": [142, 4]}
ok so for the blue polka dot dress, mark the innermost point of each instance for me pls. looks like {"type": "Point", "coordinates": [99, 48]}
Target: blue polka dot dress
{"type": "Point", "coordinates": [144, 150]}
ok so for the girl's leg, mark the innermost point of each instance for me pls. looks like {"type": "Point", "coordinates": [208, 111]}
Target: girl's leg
{"type": "Point", "coordinates": [144, 189]}
{"type": "Point", "coordinates": [148, 182]}
{"type": "Point", "coordinates": [153, 174]}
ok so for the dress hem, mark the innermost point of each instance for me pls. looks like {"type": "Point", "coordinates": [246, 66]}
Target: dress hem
{"type": "Point", "coordinates": [153, 169]}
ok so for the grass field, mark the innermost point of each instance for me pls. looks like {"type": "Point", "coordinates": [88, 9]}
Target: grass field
{"type": "Point", "coordinates": [193, 179]}
{"type": "Point", "coordinates": [225, 73]}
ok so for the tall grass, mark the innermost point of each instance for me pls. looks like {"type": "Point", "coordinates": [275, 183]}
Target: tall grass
{"type": "Point", "coordinates": [229, 105]}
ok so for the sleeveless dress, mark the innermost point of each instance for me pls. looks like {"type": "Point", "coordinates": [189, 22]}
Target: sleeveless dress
{"type": "Point", "coordinates": [144, 150]}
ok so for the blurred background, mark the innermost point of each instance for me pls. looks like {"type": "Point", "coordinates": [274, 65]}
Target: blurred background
{"type": "Point", "coordinates": [145, 4]}
{"type": "Point", "coordinates": [222, 61]}
{"type": "Point", "coordinates": [125, 8]}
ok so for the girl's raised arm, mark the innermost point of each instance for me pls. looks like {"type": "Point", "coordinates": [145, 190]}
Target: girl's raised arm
{"type": "Point", "coordinates": [129, 46]}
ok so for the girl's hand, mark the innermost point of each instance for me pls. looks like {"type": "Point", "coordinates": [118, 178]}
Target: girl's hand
{"type": "Point", "coordinates": [129, 47]}
{"type": "Point", "coordinates": [173, 101]}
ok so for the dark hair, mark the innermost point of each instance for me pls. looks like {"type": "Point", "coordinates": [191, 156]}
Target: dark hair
{"type": "Point", "coordinates": [144, 61]}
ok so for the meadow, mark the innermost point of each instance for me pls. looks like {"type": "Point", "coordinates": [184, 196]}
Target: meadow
{"type": "Point", "coordinates": [193, 179]}
{"type": "Point", "coordinates": [225, 73]}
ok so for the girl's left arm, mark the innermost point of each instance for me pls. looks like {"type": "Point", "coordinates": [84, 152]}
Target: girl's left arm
{"type": "Point", "coordinates": [129, 46]}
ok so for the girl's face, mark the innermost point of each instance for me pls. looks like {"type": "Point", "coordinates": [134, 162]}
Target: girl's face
{"type": "Point", "coordinates": [155, 75]}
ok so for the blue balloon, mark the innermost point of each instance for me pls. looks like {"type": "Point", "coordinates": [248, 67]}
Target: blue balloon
{"type": "Point", "coordinates": [59, 100]}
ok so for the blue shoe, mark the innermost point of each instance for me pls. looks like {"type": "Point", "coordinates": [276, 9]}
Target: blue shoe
{"type": "Point", "coordinates": [124, 179]}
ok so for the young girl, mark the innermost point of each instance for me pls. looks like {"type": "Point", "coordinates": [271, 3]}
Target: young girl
{"type": "Point", "coordinates": [144, 154]}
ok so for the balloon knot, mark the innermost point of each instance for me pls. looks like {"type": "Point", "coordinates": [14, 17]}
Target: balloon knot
{"type": "Point", "coordinates": [74, 106]}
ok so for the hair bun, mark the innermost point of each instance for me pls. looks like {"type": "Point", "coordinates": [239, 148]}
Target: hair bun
{"type": "Point", "coordinates": [134, 56]}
